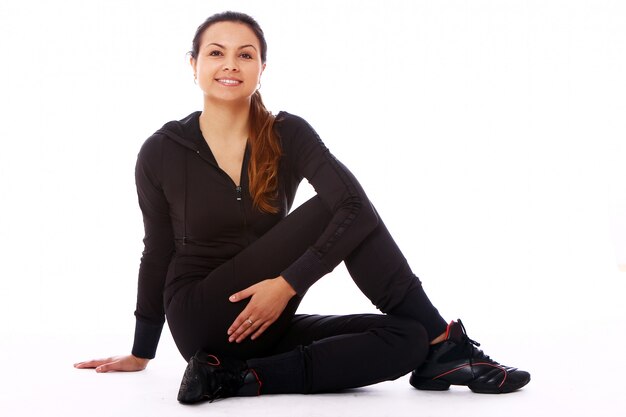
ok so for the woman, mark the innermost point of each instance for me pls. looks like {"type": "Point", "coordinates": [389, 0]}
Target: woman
{"type": "Point", "coordinates": [228, 267]}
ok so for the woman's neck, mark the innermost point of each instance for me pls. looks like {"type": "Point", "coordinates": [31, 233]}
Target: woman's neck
{"type": "Point", "coordinates": [220, 122]}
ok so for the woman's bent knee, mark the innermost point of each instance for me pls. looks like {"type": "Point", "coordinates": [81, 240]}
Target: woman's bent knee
{"type": "Point", "coordinates": [415, 344]}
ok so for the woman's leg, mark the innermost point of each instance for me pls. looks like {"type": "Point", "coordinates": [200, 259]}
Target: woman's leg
{"type": "Point", "coordinates": [329, 353]}
{"type": "Point", "coordinates": [200, 313]}
{"type": "Point", "coordinates": [383, 274]}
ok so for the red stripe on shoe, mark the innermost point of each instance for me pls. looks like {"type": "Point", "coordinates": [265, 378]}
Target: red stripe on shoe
{"type": "Point", "coordinates": [503, 369]}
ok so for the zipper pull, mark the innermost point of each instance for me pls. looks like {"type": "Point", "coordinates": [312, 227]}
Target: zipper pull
{"type": "Point", "coordinates": [238, 189]}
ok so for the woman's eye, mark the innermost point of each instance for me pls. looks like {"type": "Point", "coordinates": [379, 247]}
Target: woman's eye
{"type": "Point", "coordinates": [215, 53]}
{"type": "Point", "coordinates": [246, 55]}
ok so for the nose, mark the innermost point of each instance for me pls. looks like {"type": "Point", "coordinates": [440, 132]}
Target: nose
{"type": "Point", "coordinates": [230, 64]}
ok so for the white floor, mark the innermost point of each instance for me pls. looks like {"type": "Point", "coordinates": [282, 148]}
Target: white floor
{"type": "Point", "coordinates": [572, 375]}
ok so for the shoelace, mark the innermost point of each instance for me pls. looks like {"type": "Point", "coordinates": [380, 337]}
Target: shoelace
{"type": "Point", "coordinates": [474, 344]}
{"type": "Point", "coordinates": [227, 386]}
{"type": "Point", "coordinates": [480, 355]}
{"type": "Point", "coordinates": [214, 395]}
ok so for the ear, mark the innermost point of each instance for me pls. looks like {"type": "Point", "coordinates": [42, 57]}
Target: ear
{"type": "Point", "coordinates": [261, 73]}
{"type": "Point", "coordinates": [193, 63]}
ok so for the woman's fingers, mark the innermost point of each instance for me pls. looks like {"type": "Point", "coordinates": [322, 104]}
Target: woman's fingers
{"type": "Point", "coordinates": [260, 331]}
{"type": "Point", "coordinates": [237, 327]}
{"type": "Point", "coordinates": [101, 365]}
{"type": "Point", "coordinates": [92, 363]}
{"type": "Point", "coordinates": [256, 328]}
{"type": "Point", "coordinates": [243, 294]}
{"type": "Point", "coordinates": [242, 324]}
{"type": "Point", "coordinates": [127, 363]}
{"type": "Point", "coordinates": [109, 366]}
{"type": "Point", "coordinates": [247, 328]}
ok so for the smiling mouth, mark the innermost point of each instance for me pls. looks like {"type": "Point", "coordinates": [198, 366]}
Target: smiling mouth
{"type": "Point", "coordinates": [229, 82]}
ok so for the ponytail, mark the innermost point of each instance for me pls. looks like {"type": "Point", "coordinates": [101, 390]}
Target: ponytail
{"type": "Point", "coordinates": [265, 156]}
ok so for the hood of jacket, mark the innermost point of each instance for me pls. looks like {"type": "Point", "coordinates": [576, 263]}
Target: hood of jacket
{"type": "Point", "coordinates": [183, 131]}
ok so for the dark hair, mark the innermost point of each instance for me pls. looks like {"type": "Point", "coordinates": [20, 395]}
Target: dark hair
{"type": "Point", "coordinates": [264, 143]}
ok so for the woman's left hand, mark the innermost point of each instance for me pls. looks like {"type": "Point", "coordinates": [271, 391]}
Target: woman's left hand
{"type": "Point", "coordinates": [269, 299]}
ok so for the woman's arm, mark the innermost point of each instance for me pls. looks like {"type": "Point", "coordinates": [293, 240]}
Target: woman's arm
{"type": "Point", "coordinates": [158, 248]}
{"type": "Point", "coordinates": [353, 219]}
{"type": "Point", "coordinates": [353, 215]}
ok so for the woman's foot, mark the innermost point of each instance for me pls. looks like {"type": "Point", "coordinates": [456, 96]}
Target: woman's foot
{"type": "Point", "coordinates": [209, 378]}
{"type": "Point", "coordinates": [457, 361]}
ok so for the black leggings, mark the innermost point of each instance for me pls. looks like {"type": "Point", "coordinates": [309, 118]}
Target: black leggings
{"type": "Point", "coordinates": [312, 353]}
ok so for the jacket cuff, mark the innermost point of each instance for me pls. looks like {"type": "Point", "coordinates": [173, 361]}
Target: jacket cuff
{"type": "Point", "coordinates": [303, 273]}
{"type": "Point", "coordinates": [147, 337]}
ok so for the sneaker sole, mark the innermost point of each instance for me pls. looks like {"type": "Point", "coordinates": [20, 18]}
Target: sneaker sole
{"type": "Point", "coordinates": [490, 389]}
{"type": "Point", "coordinates": [479, 388]}
{"type": "Point", "coordinates": [429, 384]}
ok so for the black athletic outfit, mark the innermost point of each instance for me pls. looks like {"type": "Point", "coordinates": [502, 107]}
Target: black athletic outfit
{"type": "Point", "coordinates": [204, 241]}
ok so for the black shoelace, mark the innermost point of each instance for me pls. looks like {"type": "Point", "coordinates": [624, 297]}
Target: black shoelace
{"type": "Point", "coordinates": [214, 396]}
{"type": "Point", "coordinates": [230, 382]}
{"type": "Point", "coordinates": [475, 353]}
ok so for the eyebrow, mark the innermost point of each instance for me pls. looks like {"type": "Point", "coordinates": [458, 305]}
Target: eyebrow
{"type": "Point", "coordinates": [223, 47]}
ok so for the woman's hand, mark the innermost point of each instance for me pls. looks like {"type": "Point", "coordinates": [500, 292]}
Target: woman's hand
{"type": "Point", "coordinates": [128, 363]}
{"type": "Point", "coordinates": [269, 299]}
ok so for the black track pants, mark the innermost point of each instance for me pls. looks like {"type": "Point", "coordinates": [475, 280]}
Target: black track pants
{"type": "Point", "coordinates": [310, 353]}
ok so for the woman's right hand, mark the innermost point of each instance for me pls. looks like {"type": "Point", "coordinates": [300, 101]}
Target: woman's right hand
{"type": "Point", "coordinates": [128, 363]}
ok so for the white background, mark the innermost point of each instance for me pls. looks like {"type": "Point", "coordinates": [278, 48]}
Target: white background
{"type": "Point", "coordinates": [489, 134]}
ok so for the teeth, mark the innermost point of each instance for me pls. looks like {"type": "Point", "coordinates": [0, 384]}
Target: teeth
{"type": "Point", "coordinates": [232, 82]}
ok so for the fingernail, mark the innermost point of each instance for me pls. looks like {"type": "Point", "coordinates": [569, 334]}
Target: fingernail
{"type": "Point", "coordinates": [232, 298]}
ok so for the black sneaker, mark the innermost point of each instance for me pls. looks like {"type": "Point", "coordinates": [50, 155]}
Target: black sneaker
{"type": "Point", "coordinates": [209, 378]}
{"type": "Point", "coordinates": [457, 361]}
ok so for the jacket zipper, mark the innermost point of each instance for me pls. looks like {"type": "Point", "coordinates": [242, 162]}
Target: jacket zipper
{"type": "Point", "coordinates": [238, 192]}
{"type": "Point", "coordinates": [238, 189]}
{"type": "Point", "coordinates": [243, 211]}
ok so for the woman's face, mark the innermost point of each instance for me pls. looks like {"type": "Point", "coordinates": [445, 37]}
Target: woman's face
{"type": "Point", "coordinates": [228, 66]}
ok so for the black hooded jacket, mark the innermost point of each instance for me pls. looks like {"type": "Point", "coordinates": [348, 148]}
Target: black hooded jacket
{"type": "Point", "coordinates": [195, 217]}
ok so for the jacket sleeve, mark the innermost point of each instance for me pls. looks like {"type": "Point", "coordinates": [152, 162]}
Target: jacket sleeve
{"type": "Point", "coordinates": [158, 249]}
{"type": "Point", "coordinates": [353, 215]}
